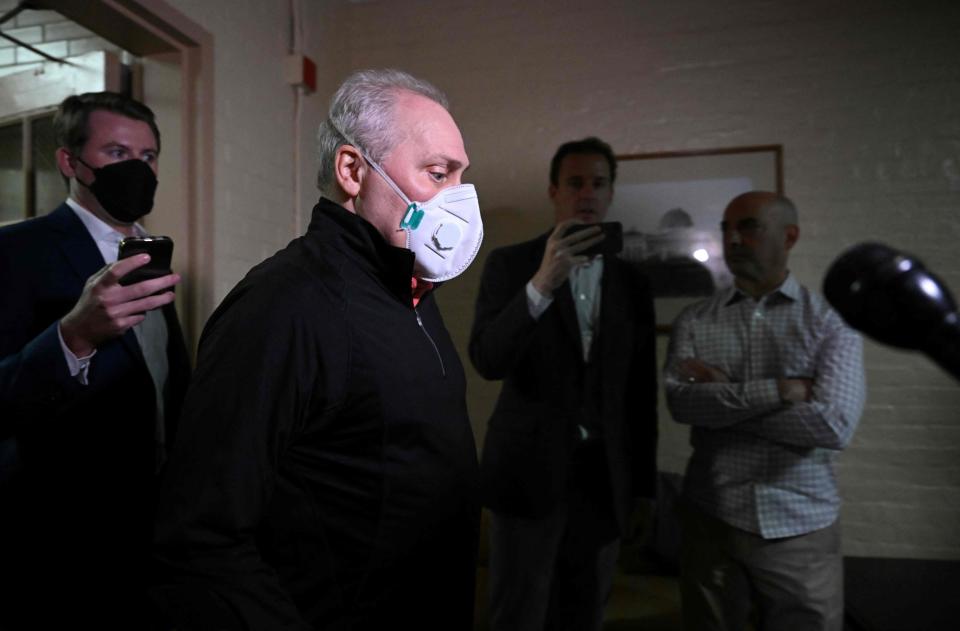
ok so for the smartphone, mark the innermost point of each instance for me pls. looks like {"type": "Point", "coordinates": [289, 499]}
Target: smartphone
{"type": "Point", "coordinates": [160, 250]}
{"type": "Point", "coordinates": [612, 238]}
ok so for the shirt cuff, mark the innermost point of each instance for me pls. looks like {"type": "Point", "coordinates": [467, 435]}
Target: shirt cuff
{"type": "Point", "coordinates": [78, 366]}
{"type": "Point", "coordinates": [537, 303]}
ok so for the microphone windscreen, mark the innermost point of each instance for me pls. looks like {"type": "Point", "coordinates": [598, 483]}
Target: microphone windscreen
{"type": "Point", "coordinates": [890, 296]}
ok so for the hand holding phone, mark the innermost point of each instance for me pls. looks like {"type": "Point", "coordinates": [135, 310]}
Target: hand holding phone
{"type": "Point", "coordinates": [612, 242]}
{"type": "Point", "coordinates": [570, 244]}
{"type": "Point", "coordinates": [117, 296]}
{"type": "Point", "coordinates": [160, 250]}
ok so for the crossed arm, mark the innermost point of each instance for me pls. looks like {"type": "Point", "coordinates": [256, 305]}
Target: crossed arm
{"type": "Point", "coordinates": [819, 410]}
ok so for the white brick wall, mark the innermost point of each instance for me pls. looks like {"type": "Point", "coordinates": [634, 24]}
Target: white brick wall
{"type": "Point", "coordinates": [862, 95]}
{"type": "Point", "coordinates": [253, 135]}
{"type": "Point", "coordinates": [864, 98]}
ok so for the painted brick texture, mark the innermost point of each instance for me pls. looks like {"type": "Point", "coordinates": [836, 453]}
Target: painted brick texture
{"type": "Point", "coordinates": [862, 96]}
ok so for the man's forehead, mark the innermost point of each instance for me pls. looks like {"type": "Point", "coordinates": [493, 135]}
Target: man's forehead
{"type": "Point", "coordinates": [748, 207]}
{"type": "Point", "coordinates": [584, 165]}
{"type": "Point", "coordinates": [105, 127]}
{"type": "Point", "coordinates": [428, 127]}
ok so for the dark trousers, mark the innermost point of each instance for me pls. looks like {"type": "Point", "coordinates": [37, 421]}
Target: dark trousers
{"type": "Point", "coordinates": [555, 572]}
{"type": "Point", "coordinates": [730, 576]}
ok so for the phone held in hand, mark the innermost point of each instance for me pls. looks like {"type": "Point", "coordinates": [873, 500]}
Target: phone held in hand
{"type": "Point", "coordinates": [612, 237]}
{"type": "Point", "coordinates": [160, 250]}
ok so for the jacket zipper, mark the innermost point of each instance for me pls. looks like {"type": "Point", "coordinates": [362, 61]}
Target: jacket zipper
{"type": "Point", "coordinates": [443, 370]}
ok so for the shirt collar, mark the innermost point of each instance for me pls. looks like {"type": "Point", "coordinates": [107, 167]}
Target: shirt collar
{"type": "Point", "coordinates": [593, 267]}
{"type": "Point", "coordinates": [104, 235]}
{"type": "Point", "coordinates": [98, 228]}
{"type": "Point", "coordinates": [789, 289]}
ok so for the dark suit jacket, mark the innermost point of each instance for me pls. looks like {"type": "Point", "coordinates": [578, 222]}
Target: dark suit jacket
{"type": "Point", "coordinates": [548, 389]}
{"type": "Point", "coordinates": [77, 462]}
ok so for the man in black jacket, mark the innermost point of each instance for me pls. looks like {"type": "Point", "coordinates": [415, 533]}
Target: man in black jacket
{"type": "Point", "coordinates": [571, 445]}
{"type": "Point", "coordinates": [92, 375]}
{"type": "Point", "coordinates": [326, 473]}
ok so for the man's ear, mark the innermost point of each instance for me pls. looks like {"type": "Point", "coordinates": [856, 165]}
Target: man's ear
{"type": "Point", "coordinates": [792, 234]}
{"type": "Point", "coordinates": [65, 163]}
{"type": "Point", "coordinates": [552, 191]}
{"type": "Point", "coordinates": [349, 169]}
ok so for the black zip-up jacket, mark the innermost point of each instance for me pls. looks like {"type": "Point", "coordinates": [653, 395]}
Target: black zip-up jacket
{"type": "Point", "coordinates": [325, 475]}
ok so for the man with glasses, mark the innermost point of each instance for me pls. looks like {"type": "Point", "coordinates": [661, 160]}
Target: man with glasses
{"type": "Point", "coordinates": [771, 382]}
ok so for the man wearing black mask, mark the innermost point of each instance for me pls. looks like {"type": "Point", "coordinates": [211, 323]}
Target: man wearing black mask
{"type": "Point", "coordinates": [92, 374]}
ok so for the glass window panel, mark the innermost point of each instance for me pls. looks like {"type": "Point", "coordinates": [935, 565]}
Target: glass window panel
{"type": "Point", "coordinates": [49, 189]}
{"type": "Point", "coordinates": [12, 192]}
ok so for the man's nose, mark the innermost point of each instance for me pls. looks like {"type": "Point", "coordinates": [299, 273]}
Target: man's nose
{"type": "Point", "coordinates": [733, 236]}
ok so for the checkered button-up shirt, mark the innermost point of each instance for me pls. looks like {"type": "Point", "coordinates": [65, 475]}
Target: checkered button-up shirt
{"type": "Point", "coordinates": [758, 463]}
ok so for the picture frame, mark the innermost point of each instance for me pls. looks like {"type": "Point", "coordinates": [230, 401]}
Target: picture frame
{"type": "Point", "coordinates": [671, 203]}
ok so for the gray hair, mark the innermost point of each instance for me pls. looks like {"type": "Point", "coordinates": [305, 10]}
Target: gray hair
{"type": "Point", "coordinates": [361, 113]}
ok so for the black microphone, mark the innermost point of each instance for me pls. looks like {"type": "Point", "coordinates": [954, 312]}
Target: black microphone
{"type": "Point", "coordinates": [893, 298]}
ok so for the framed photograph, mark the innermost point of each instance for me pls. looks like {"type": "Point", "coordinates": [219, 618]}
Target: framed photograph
{"type": "Point", "coordinates": [671, 203]}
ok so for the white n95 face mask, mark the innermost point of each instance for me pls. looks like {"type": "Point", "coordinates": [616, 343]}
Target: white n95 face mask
{"type": "Point", "coordinates": [444, 233]}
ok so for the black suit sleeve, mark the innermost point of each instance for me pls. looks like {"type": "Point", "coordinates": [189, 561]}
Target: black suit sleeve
{"type": "Point", "coordinates": [502, 324]}
{"type": "Point", "coordinates": [642, 392]}
{"type": "Point", "coordinates": [34, 378]}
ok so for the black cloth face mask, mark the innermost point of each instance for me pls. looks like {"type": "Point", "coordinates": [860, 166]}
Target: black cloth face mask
{"type": "Point", "coordinates": [124, 189]}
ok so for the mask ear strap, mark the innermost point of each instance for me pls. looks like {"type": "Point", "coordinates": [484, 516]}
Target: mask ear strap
{"type": "Point", "coordinates": [386, 178]}
{"type": "Point", "coordinates": [74, 156]}
{"type": "Point", "coordinates": [377, 168]}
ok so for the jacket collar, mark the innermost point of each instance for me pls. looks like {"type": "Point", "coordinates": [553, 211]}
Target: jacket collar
{"type": "Point", "coordinates": [75, 242]}
{"type": "Point", "coordinates": [392, 265]}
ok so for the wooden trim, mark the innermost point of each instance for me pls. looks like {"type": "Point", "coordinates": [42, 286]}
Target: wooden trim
{"type": "Point", "coordinates": [195, 47]}
{"type": "Point", "coordinates": [777, 150]}
{"type": "Point", "coordinates": [665, 329]}
{"type": "Point", "coordinates": [29, 193]}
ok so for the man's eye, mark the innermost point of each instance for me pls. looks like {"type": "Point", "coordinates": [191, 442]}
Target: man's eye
{"type": "Point", "coordinates": [117, 153]}
{"type": "Point", "coordinates": [438, 176]}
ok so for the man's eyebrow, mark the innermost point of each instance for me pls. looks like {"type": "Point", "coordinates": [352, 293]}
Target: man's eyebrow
{"type": "Point", "coordinates": [113, 144]}
{"type": "Point", "coordinates": [452, 163]}
{"type": "Point", "coordinates": [110, 144]}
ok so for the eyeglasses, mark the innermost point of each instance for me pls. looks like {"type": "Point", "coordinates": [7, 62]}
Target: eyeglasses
{"type": "Point", "coordinates": [744, 227]}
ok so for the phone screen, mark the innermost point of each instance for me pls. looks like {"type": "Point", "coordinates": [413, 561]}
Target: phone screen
{"type": "Point", "coordinates": [160, 250]}
{"type": "Point", "coordinates": [612, 238]}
